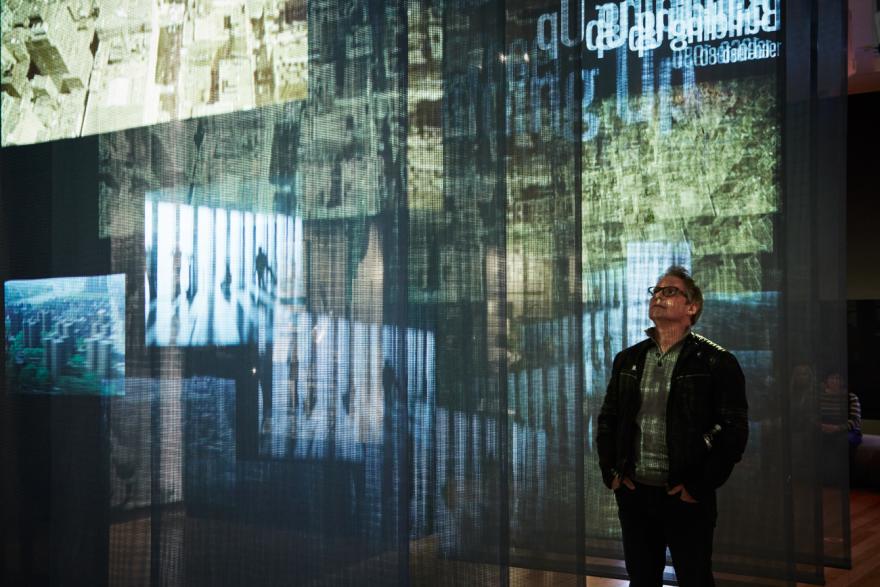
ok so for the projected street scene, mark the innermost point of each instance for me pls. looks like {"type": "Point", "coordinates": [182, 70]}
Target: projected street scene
{"type": "Point", "coordinates": [214, 276]}
{"type": "Point", "coordinates": [333, 414]}
{"type": "Point", "coordinates": [66, 335]}
{"type": "Point", "coordinates": [78, 67]}
{"type": "Point", "coordinates": [331, 387]}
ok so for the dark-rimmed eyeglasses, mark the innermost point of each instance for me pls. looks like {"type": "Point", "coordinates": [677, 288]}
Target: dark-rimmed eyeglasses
{"type": "Point", "coordinates": [666, 291]}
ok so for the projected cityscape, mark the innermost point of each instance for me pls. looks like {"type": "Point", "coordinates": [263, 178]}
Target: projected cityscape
{"type": "Point", "coordinates": [80, 67]}
{"type": "Point", "coordinates": [66, 335]}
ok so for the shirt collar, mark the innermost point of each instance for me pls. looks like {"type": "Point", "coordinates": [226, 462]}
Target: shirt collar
{"type": "Point", "coordinates": [652, 334]}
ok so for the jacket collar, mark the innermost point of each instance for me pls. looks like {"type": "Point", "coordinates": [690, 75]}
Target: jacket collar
{"type": "Point", "coordinates": [690, 345]}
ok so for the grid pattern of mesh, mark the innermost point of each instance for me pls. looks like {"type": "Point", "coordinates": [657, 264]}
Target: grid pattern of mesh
{"type": "Point", "coordinates": [368, 326]}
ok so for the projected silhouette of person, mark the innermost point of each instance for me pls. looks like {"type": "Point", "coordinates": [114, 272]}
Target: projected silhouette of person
{"type": "Point", "coordinates": [261, 266]}
{"type": "Point", "coordinates": [152, 275]}
{"type": "Point", "coordinates": [226, 284]}
{"type": "Point", "coordinates": [175, 271]}
{"type": "Point", "coordinates": [667, 443]}
{"type": "Point", "coordinates": [193, 286]}
{"type": "Point", "coordinates": [293, 376]}
{"type": "Point", "coordinates": [389, 384]}
{"type": "Point", "coordinates": [263, 345]}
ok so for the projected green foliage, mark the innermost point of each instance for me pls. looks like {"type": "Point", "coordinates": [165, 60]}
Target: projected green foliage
{"type": "Point", "coordinates": [712, 182]}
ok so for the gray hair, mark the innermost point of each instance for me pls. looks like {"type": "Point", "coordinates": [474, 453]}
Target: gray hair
{"type": "Point", "coordinates": [692, 292]}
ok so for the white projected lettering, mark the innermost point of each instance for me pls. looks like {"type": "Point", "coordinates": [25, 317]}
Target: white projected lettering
{"type": "Point", "coordinates": [528, 112]}
{"type": "Point", "coordinates": [662, 42]}
{"type": "Point", "coordinates": [646, 25]}
{"type": "Point", "coordinates": [736, 51]}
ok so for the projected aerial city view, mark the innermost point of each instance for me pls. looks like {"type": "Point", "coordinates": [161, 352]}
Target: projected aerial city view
{"type": "Point", "coordinates": [66, 335]}
{"type": "Point", "coordinates": [79, 67]}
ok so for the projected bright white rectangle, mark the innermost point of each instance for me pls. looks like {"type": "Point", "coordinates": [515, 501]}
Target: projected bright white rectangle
{"type": "Point", "coordinates": [211, 273]}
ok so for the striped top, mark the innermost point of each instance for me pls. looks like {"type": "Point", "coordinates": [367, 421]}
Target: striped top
{"type": "Point", "coordinates": [833, 410]}
{"type": "Point", "coordinates": [854, 420]}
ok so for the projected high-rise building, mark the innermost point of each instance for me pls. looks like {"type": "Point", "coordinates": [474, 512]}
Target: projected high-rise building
{"type": "Point", "coordinates": [54, 352]}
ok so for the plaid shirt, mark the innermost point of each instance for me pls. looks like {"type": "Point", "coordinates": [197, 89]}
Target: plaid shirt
{"type": "Point", "coordinates": [652, 460]}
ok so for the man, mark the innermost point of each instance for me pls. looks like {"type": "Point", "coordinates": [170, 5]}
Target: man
{"type": "Point", "coordinates": [673, 424]}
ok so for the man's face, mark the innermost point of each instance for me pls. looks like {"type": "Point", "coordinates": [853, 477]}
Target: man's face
{"type": "Point", "coordinates": [674, 310]}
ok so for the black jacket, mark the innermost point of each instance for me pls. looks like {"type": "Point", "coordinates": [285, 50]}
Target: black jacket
{"type": "Point", "coordinates": [707, 390]}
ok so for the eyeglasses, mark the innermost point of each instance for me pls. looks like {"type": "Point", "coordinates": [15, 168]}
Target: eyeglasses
{"type": "Point", "coordinates": [667, 291]}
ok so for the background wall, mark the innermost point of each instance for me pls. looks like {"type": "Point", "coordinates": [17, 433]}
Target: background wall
{"type": "Point", "coordinates": [863, 281]}
{"type": "Point", "coordinates": [863, 214]}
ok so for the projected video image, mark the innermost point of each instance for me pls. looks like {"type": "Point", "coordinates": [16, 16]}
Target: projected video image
{"type": "Point", "coordinates": [66, 335]}
{"type": "Point", "coordinates": [387, 254]}
{"type": "Point", "coordinates": [79, 67]}
{"type": "Point", "coordinates": [214, 276]}
{"type": "Point", "coordinates": [330, 375]}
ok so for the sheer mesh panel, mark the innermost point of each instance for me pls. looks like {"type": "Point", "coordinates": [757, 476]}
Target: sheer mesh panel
{"type": "Point", "coordinates": [371, 275]}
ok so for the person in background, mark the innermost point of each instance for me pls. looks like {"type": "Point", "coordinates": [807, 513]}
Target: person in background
{"type": "Point", "coordinates": [834, 398]}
